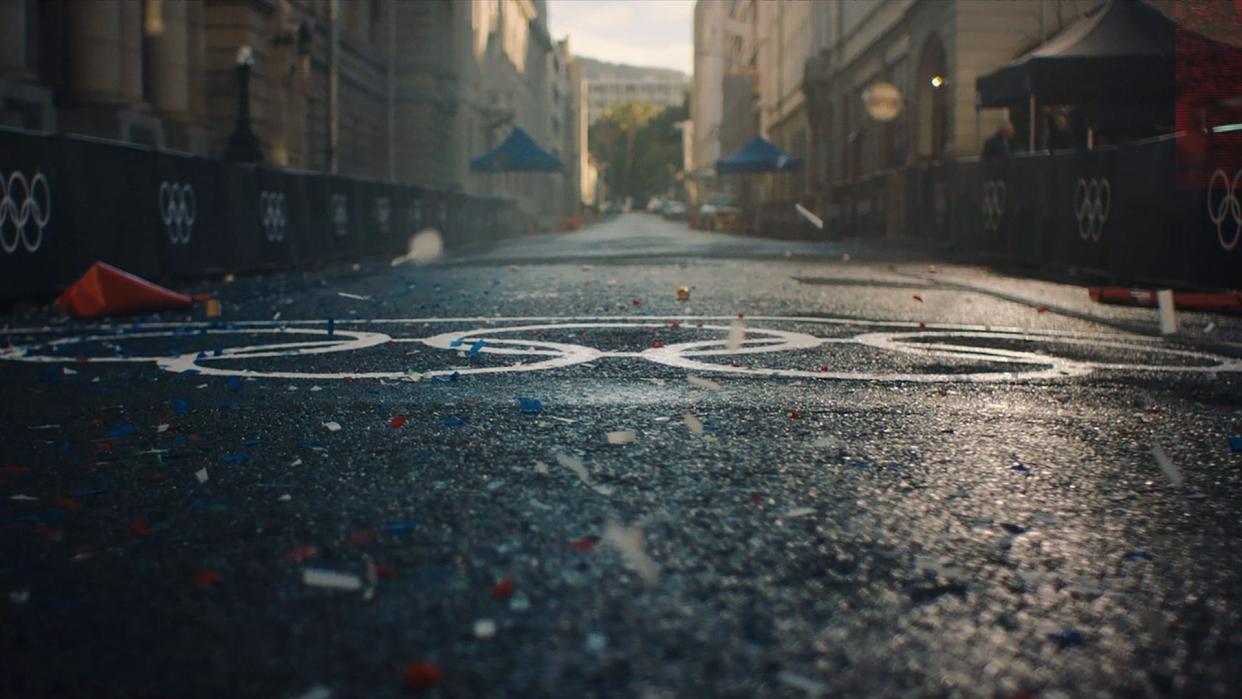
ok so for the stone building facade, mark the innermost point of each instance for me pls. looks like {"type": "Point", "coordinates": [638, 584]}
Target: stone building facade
{"type": "Point", "coordinates": [387, 89]}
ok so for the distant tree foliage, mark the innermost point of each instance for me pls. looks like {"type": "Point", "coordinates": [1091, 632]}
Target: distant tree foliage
{"type": "Point", "coordinates": [641, 146]}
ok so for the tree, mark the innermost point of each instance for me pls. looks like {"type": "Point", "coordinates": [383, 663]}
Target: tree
{"type": "Point", "coordinates": [645, 140]}
{"type": "Point", "coordinates": [632, 116]}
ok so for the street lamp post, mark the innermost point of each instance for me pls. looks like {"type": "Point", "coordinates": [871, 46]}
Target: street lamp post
{"type": "Point", "coordinates": [244, 144]}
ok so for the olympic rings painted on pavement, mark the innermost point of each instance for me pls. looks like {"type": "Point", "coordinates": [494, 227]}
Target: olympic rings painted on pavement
{"type": "Point", "coordinates": [27, 210]}
{"type": "Point", "coordinates": [1228, 207]}
{"type": "Point", "coordinates": [934, 343]}
{"type": "Point", "coordinates": [178, 209]}
{"type": "Point", "coordinates": [273, 214]}
{"type": "Point", "coordinates": [1093, 199]}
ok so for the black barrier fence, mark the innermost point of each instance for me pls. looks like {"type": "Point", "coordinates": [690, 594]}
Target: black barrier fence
{"type": "Point", "coordinates": [1115, 213]}
{"type": "Point", "coordinates": [67, 201]}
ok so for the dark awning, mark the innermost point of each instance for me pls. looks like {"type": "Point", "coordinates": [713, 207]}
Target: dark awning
{"type": "Point", "coordinates": [758, 156]}
{"type": "Point", "coordinates": [517, 154]}
{"type": "Point", "coordinates": [1120, 53]}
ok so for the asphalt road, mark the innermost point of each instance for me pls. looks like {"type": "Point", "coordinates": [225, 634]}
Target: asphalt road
{"type": "Point", "coordinates": [887, 478]}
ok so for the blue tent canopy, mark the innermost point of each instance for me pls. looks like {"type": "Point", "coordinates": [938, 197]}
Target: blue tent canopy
{"type": "Point", "coordinates": [758, 156]}
{"type": "Point", "coordinates": [517, 154]}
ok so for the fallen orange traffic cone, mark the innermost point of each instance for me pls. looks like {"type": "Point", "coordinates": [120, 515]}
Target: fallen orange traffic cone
{"type": "Point", "coordinates": [105, 291]}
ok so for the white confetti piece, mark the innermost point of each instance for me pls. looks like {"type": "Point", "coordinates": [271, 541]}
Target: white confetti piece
{"type": "Point", "coordinates": [284, 498]}
{"type": "Point", "coordinates": [1168, 312]}
{"type": "Point", "coordinates": [658, 382]}
{"type": "Point", "coordinates": [484, 629]}
{"type": "Point", "coordinates": [356, 297]}
{"type": "Point", "coordinates": [800, 512]}
{"type": "Point", "coordinates": [810, 217]}
{"type": "Point", "coordinates": [315, 388]}
{"type": "Point", "coordinates": [693, 424]}
{"type": "Point", "coordinates": [541, 468]}
{"type": "Point", "coordinates": [201, 475]}
{"type": "Point", "coordinates": [23, 498]}
{"type": "Point", "coordinates": [565, 420]}
{"type": "Point", "coordinates": [332, 426]}
{"type": "Point", "coordinates": [628, 541]}
{"type": "Point", "coordinates": [1170, 469]}
{"type": "Point", "coordinates": [49, 427]}
{"type": "Point", "coordinates": [814, 688]}
{"type": "Point", "coordinates": [737, 335]}
{"type": "Point", "coordinates": [296, 462]}
{"type": "Point", "coordinates": [19, 596]}
{"type": "Point", "coordinates": [581, 472]}
{"type": "Point", "coordinates": [622, 437]}
{"type": "Point", "coordinates": [703, 383]}
{"type": "Point", "coordinates": [69, 372]}
{"type": "Point", "coordinates": [320, 577]}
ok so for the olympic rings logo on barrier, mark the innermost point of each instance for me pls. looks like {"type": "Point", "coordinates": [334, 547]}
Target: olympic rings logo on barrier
{"type": "Point", "coordinates": [273, 214]}
{"type": "Point", "coordinates": [1228, 207]}
{"type": "Point", "coordinates": [1093, 200]}
{"type": "Point", "coordinates": [340, 214]}
{"type": "Point", "coordinates": [382, 211]}
{"type": "Point", "coordinates": [935, 344]}
{"type": "Point", "coordinates": [993, 204]}
{"type": "Point", "coordinates": [28, 210]}
{"type": "Point", "coordinates": [178, 209]}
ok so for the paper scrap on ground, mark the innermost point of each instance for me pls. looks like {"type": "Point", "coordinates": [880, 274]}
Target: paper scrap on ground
{"type": "Point", "coordinates": [356, 297]}
{"type": "Point", "coordinates": [320, 577]}
{"type": "Point", "coordinates": [622, 437]}
{"type": "Point", "coordinates": [1168, 312]}
{"type": "Point", "coordinates": [703, 383]}
{"type": "Point", "coordinates": [579, 470]}
{"type": "Point", "coordinates": [332, 426]}
{"type": "Point", "coordinates": [693, 424]}
{"type": "Point", "coordinates": [812, 218]}
{"type": "Point", "coordinates": [814, 688]}
{"type": "Point", "coordinates": [628, 541]}
{"type": "Point", "coordinates": [800, 512]}
{"type": "Point", "coordinates": [1170, 469]}
{"type": "Point", "coordinates": [201, 475]}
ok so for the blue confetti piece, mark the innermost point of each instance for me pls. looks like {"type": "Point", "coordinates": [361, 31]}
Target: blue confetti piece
{"type": "Point", "coordinates": [1067, 638]}
{"type": "Point", "coordinates": [253, 441]}
{"type": "Point", "coordinates": [217, 352]}
{"type": "Point", "coordinates": [201, 355]}
{"type": "Point", "coordinates": [1020, 468]}
{"type": "Point", "coordinates": [452, 422]}
{"type": "Point", "coordinates": [180, 439]}
{"type": "Point", "coordinates": [180, 407]}
{"type": "Point", "coordinates": [478, 345]}
{"type": "Point", "coordinates": [423, 455]}
{"type": "Point", "coordinates": [397, 527]}
{"type": "Point", "coordinates": [1138, 555]}
{"type": "Point", "coordinates": [121, 431]}
{"type": "Point", "coordinates": [1235, 443]}
{"type": "Point", "coordinates": [235, 384]}
{"type": "Point", "coordinates": [529, 405]}
{"type": "Point", "coordinates": [238, 458]}
{"type": "Point", "coordinates": [86, 492]}
{"type": "Point", "coordinates": [331, 327]}
{"type": "Point", "coordinates": [446, 379]}
{"type": "Point", "coordinates": [457, 342]}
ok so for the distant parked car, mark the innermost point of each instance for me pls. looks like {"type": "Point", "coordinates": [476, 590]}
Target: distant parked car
{"type": "Point", "coordinates": [720, 213]}
{"type": "Point", "coordinates": [613, 207]}
{"type": "Point", "coordinates": [655, 205]}
{"type": "Point", "coordinates": [675, 211]}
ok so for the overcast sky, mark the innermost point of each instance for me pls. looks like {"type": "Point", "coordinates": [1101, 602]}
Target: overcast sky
{"type": "Point", "coordinates": [657, 33]}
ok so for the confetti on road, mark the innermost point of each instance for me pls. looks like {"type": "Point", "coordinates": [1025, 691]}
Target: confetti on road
{"type": "Point", "coordinates": [813, 688]}
{"type": "Point", "coordinates": [317, 692]}
{"type": "Point", "coordinates": [201, 475]}
{"type": "Point", "coordinates": [322, 577]}
{"type": "Point", "coordinates": [503, 589]}
{"type": "Point", "coordinates": [1170, 469]}
{"type": "Point", "coordinates": [737, 335]}
{"type": "Point", "coordinates": [420, 675]}
{"type": "Point", "coordinates": [800, 512]}
{"type": "Point", "coordinates": [1235, 443]}
{"type": "Point", "coordinates": [683, 293]}
{"type": "Point", "coordinates": [397, 421]}
{"type": "Point", "coordinates": [530, 405]}
{"type": "Point", "coordinates": [622, 437]}
{"type": "Point", "coordinates": [694, 424]}
{"type": "Point", "coordinates": [628, 541]}
{"type": "Point", "coordinates": [332, 426]}
{"type": "Point", "coordinates": [484, 629]}
{"type": "Point", "coordinates": [207, 578]}
{"type": "Point", "coordinates": [580, 470]}
{"type": "Point", "coordinates": [918, 298]}
{"type": "Point", "coordinates": [356, 297]}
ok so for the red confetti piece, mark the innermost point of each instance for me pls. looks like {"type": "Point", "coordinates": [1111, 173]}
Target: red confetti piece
{"type": "Point", "coordinates": [139, 527]}
{"type": "Point", "coordinates": [421, 675]}
{"type": "Point", "coordinates": [741, 316]}
{"type": "Point", "coordinates": [756, 497]}
{"type": "Point", "coordinates": [194, 438]}
{"type": "Point", "coordinates": [795, 415]}
{"type": "Point", "coordinates": [698, 325]}
{"type": "Point", "coordinates": [81, 359]}
{"type": "Point", "coordinates": [397, 421]}
{"type": "Point", "coordinates": [103, 446]}
{"type": "Point", "coordinates": [656, 344]}
{"type": "Point", "coordinates": [155, 477]}
{"type": "Point", "coordinates": [918, 298]}
{"type": "Point", "coordinates": [503, 589]}
{"type": "Point", "coordinates": [360, 538]}
{"type": "Point", "coordinates": [636, 302]}
{"type": "Point", "coordinates": [385, 572]}
{"type": "Point", "coordinates": [69, 504]}
{"type": "Point", "coordinates": [674, 325]}
{"type": "Point", "coordinates": [922, 325]}
{"type": "Point", "coordinates": [207, 578]}
{"type": "Point", "coordinates": [584, 545]}
{"type": "Point", "coordinates": [823, 369]}
{"type": "Point", "coordinates": [299, 553]}
{"type": "Point", "coordinates": [1041, 309]}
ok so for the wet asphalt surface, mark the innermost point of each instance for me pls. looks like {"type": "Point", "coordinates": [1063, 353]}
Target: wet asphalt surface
{"type": "Point", "coordinates": [896, 486]}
